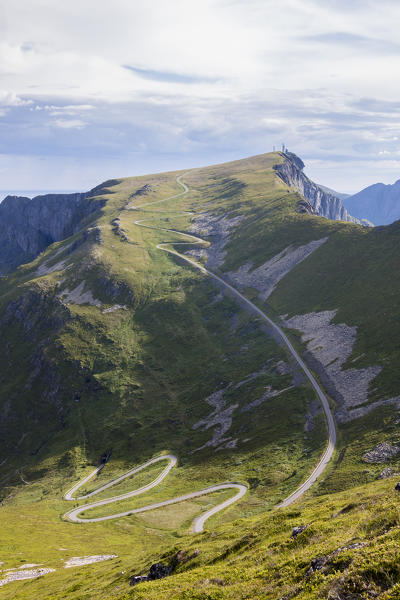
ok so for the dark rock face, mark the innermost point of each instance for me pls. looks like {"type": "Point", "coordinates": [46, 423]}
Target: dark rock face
{"type": "Point", "coordinates": [146, 189]}
{"type": "Point", "coordinates": [317, 564]}
{"type": "Point", "coordinates": [138, 579]}
{"type": "Point", "coordinates": [159, 570]}
{"type": "Point", "coordinates": [105, 457]}
{"type": "Point", "coordinates": [305, 207]}
{"type": "Point", "coordinates": [28, 226]}
{"type": "Point", "coordinates": [34, 311]}
{"type": "Point", "coordinates": [297, 530]}
{"type": "Point", "coordinates": [32, 318]}
{"type": "Point", "coordinates": [325, 204]}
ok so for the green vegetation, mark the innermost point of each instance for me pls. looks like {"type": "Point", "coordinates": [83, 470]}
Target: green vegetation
{"type": "Point", "coordinates": [77, 381]}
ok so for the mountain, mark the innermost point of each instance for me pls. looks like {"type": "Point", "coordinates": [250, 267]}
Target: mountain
{"type": "Point", "coordinates": [379, 203]}
{"type": "Point", "coordinates": [118, 350]}
{"type": "Point", "coordinates": [325, 203]}
{"type": "Point", "coordinates": [339, 195]}
{"type": "Point", "coordinates": [28, 226]}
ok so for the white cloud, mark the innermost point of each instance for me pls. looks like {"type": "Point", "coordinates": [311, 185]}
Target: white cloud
{"type": "Point", "coordinates": [210, 79]}
{"type": "Point", "coordinates": [11, 99]}
{"type": "Point", "coordinates": [77, 50]}
{"type": "Point", "coordinates": [69, 123]}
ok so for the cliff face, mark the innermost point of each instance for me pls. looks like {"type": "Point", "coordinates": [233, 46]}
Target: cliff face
{"type": "Point", "coordinates": [28, 226]}
{"type": "Point", "coordinates": [326, 204]}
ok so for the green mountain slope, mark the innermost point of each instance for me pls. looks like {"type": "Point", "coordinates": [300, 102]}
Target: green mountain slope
{"type": "Point", "coordinates": [113, 344]}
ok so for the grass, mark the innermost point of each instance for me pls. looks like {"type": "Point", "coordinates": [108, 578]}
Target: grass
{"type": "Point", "coordinates": [250, 558]}
{"type": "Point", "coordinates": [76, 382]}
{"type": "Point", "coordinates": [106, 475]}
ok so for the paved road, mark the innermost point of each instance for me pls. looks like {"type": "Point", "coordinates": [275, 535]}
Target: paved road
{"type": "Point", "coordinates": [330, 448]}
{"type": "Point", "coordinates": [198, 524]}
{"type": "Point", "coordinates": [172, 460]}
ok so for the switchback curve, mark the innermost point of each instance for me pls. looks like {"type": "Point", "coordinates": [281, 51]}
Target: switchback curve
{"type": "Point", "coordinates": [198, 523]}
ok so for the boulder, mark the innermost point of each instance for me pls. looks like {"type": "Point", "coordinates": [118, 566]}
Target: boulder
{"type": "Point", "coordinates": [158, 571]}
{"type": "Point", "coordinates": [317, 564]}
{"type": "Point", "coordinates": [297, 530]}
{"type": "Point", "coordinates": [381, 453]}
{"type": "Point", "coordinates": [388, 472]}
{"type": "Point", "coordinates": [138, 579]}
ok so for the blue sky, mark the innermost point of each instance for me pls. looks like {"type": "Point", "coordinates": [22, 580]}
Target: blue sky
{"type": "Point", "coordinates": [93, 90]}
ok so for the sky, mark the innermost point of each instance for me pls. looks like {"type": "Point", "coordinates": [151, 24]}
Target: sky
{"type": "Point", "coordinates": [93, 89]}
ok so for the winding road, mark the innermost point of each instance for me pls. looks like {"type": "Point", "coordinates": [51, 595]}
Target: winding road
{"type": "Point", "coordinates": [198, 523]}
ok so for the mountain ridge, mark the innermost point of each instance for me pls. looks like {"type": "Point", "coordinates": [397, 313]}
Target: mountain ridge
{"type": "Point", "coordinates": [28, 226]}
{"type": "Point", "coordinates": [113, 344]}
{"type": "Point", "coordinates": [379, 203]}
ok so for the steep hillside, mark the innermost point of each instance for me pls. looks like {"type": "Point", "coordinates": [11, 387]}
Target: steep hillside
{"type": "Point", "coordinates": [29, 226]}
{"type": "Point", "coordinates": [379, 203]}
{"type": "Point", "coordinates": [324, 202]}
{"type": "Point", "coordinates": [118, 352]}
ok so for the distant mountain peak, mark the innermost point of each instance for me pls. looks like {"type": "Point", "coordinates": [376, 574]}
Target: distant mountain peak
{"type": "Point", "coordinates": [379, 203]}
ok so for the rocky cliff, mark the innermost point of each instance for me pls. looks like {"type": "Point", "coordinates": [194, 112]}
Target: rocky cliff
{"type": "Point", "coordinates": [28, 226]}
{"type": "Point", "coordinates": [326, 204]}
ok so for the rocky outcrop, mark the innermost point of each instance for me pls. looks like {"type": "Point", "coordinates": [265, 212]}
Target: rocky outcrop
{"type": "Point", "coordinates": [381, 453]}
{"type": "Point", "coordinates": [160, 570]}
{"type": "Point", "coordinates": [28, 226]}
{"type": "Point", "coordinates": [218, 228]}
{"type": "Point", "coordinates": [118, 230]}
{"type": "Point", "coordinates": [266, 277]}
{"type": "Point", "coordinates": [220, 419]}
{"type": "Point", "coordinates": [145, 189]}
{"type": "Point", "coordinates": [304, 207]}
{"type": "Point", "coordinates": [35, 311]}
{"type": "Point", "coordinates": [329, 346]}
{"type": "Point", "coordinates": [324, 563]}
{"type": "Point", "coordinates": [325, 204]}
{"type": "Point", "coordinates": [298, 530]}
{"type": "Point", "coordinates": [386, 473]}
{"type": "Point", "coordinates": [79, 295]}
